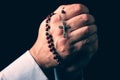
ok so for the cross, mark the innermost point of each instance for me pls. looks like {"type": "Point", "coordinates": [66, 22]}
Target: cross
{"type": "Point", "coordinates": [65, 28]}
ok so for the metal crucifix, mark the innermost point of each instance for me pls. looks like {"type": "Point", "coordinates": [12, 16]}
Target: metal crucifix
{"type": "Point", "coordinates": [65, 28]}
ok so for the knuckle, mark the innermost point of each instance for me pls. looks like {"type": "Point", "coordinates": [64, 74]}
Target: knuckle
{"type": "Point", "coordinates": [85, 8]}
{"type": "Point", "coordinates": [78, 7]}
{"type": "Point", "coordinates": [91, 18]}
{"type": "Point", "coordinates": [85, 17]}
{"type": "Point", "coordinates": [92, 38]}
{"type": "Point", "coordinates": [63, 52]}
{"type": "Point", "coordinates": [56, 18]}
{"type": "Point", "coordinates": [81, 8]}
{"type": "Point", "coordinates": [92, 29]}
{"type": "Point", "coordinates": [87, 29]}
{"type": "Point", "coordinates": [62, 49]}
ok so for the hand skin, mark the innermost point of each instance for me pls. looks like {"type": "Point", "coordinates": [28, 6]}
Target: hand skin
{"type": "Point", "coordinates": [79, 46]}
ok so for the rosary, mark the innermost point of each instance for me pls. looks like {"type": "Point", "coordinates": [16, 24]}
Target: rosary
{"type": "Point", "coordinates": [49, 38]}
{"type": "Point", "coordinates": [50, 41]}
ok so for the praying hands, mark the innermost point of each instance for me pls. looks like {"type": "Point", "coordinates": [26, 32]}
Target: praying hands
{"type": "Point", "coordinates": [73, 51]}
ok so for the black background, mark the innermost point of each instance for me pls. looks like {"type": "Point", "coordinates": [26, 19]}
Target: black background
{"type": "Point", "coordinates": [19, 23]}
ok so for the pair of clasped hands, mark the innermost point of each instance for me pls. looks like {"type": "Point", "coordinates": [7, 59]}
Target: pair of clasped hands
{"type": "Point", "coordinates": [79, 46]}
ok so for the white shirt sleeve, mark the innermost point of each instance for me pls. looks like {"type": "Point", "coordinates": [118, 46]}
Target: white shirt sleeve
{"type": "Point", "coordinates": [24, 68]}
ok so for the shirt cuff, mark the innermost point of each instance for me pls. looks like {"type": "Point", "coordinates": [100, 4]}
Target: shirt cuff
{"type": "Point", "coordinates": [24, 68]}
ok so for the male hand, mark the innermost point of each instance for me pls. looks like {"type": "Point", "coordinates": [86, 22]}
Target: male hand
{"type": "Point", "coordinates": [79, 46]}
{"type": "Point", "coordinates": [82, 41]}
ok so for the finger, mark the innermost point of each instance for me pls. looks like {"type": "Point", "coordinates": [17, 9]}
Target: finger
{"type": "Point", "coordinates": [80, 21]}
{"type": "Point", "coordinates": [75, 23]}
{"type": "Point", "coordinates": [82, 33]}
{"type": "Point", "coordinates": [72, 10]}
{"type": "Point", "coordinates": [83, 56]}
{"type": "Point", "coordinates": [86, 44]}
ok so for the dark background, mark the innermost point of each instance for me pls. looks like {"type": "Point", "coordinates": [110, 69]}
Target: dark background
{"type": "Point", "coordinates": [19, 23]}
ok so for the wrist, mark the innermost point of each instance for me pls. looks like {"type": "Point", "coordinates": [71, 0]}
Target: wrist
{"type": "Point", "coordinates": [33, 53]}
{"type": "Point", "coordinates": [47, 71]}
{"type": "Point", "coordinates": [42, 55]}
